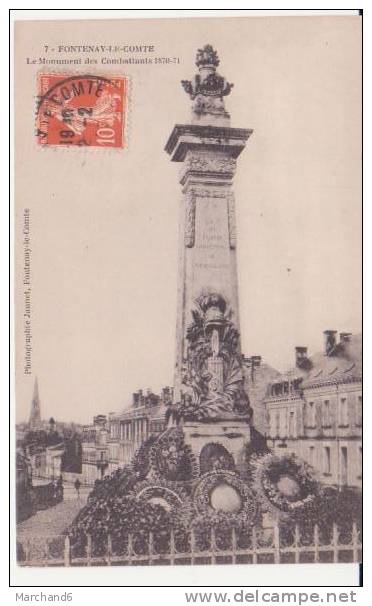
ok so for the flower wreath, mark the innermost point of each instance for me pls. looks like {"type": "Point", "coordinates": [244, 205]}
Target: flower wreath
{"type": "Point", "coordinates": [141, 461]}
{"type": "Point", "coordinates": [172, 459]}
{"type": "Point", "coordinates": [173, 498]}
{"type": "Point", "coordinates": [204, 489]}
{"type": "Point", "coordinates": [285, 485]}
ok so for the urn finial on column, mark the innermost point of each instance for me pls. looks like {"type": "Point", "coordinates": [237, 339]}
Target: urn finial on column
{"type": "Point", "coordinates": [207, 90]}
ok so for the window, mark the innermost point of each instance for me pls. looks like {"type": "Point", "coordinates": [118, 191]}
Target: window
{"type": "Point", "coordinates": [291, 424]}
{"type": "Point", "coordinates": [327, 460]}
{"type": "Point", "coordinates": [283, 423]}
{"type": "Point", "coordinates": [312, 455]}
{"type": "Point", "coordinates": [326, 414]}
{"type": "Point", "coordinates": [344, 466]}
{"type": "Point", "coordinates": [343, 416]}
{"type": "Point", "coordinates": [277, 425]}
{"type": "Point", "coordinates": [272, 424]}
{"type": "Point", "coordinates": [269, 424]}
{"type": "Point", "coordinates": [359, 411]}
{"type": "Point", "coordinates": [360, 462]}
{"type": "Point", "coordinates": [311, 414]}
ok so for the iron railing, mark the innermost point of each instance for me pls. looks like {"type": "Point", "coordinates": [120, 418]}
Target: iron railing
{"type": "Point", "coordinates": [272, 545]}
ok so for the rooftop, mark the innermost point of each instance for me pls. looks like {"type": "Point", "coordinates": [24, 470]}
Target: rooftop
{"type": "Point", "coordinates": [344, 364]}
{"type": "Point", "coordinates": [340, 362]}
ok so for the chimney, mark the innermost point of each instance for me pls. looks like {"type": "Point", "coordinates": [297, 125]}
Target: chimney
{"type": "Point", "coordinates": [345, 337]}
{"type": "Point", "coordinates": [329, 341]}
{"type": "Point", "coordinates": [301, 355]}
{"type": "Point", "coordinates": [100, 420]}
{"type": "Point", "coordinates": [256, 361]}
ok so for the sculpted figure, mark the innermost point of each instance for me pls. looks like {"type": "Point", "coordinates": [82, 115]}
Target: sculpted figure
{"type": "Point", "coordinates": [213, 379]}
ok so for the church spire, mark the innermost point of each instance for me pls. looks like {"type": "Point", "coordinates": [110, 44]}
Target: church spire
{"type": "Point", "coordinates": [35, 416]}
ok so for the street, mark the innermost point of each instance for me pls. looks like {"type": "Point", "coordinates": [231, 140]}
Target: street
{"type": "Point", "coordinates": [54, 520]}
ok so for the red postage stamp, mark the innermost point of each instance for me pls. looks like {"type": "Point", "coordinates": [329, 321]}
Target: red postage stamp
{"type": "Point", "coordinates": [81, 110]}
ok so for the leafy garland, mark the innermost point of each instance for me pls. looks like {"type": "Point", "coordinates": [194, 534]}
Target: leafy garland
{"type": "Point", "coordinates": [268, 471]}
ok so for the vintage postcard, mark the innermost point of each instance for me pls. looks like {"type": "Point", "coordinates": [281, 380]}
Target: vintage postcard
{"type": "Point", "coordinates": [188, 291]}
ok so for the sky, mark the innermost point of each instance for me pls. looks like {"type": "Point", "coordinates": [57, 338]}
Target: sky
{"type": "Point", "coordinates": [104, 224]}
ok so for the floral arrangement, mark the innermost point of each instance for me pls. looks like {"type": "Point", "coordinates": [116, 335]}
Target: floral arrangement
{"type": "Point", "coordinates": [246, 510]}
{"type": "Point", "coordinates": [332, 506]}
{"type": "Point", "coordinates": [223, 527]}
{"type": "Point", "coordinates": [171, 458]}
{"type": "Point", "coordinates": [122, 480]}
{"type": "Point", "coordinates": [173, 498]}
{"type": "Point", "coordinates": [118, 516]}
{"type": "Point", "coordinates": [141, 461]}
{"type": "Point", "coordinates": [164, 493]}
{"type": "Point", "coordinates": [124, 503]}
{"type": "Point", "coordinates": [118, 483]}
{"type": "Point", "coordinates": [285, 485]}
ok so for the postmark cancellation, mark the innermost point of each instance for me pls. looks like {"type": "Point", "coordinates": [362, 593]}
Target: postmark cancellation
{"type": "Point", "coordinates": [81, 110]}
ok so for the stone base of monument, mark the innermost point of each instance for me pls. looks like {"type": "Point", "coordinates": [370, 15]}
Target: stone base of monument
{"type": "Point", "coordinates": [218, 445]}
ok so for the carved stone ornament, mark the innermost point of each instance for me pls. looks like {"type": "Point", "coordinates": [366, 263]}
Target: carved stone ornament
{"type": "Point", "coordinates": [213, 378]}
{"type": "Point", "coordinates": [209, 163]}
{"type": "Point", "coordinates": [212, 85]}
{"type": "Point", "coordinates": [207, 88]}
{"type": "Point", "coordinates": [190, 220]}
{"type": "Point", "coordinates": [207, 56]}
{"type": "Point", "coordinates": [206, 192]}
{"type": "Point", "coordinates": [190, 209]}
{"type": "Point", "coordinates": [232, 221]}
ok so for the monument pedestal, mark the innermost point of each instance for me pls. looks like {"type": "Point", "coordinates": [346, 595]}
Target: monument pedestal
{"type": "Point", "coordinates": [218, 445]}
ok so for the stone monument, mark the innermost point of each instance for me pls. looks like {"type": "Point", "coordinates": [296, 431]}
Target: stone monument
{"type": "Point", "coordinates": [199, 473]}
{"type": "Point", "coordinates": [210, 401]}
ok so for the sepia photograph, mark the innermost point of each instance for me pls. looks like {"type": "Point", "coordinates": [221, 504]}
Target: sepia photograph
{"type": "Point", "coordinates": [188, 291]}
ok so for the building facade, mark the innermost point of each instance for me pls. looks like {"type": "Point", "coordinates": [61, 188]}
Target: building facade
{"type": "Point", "coordinates": [257, 375]}
{"type": "Point", "coordinates": [53, 460]}
{"type": "Point", "coordinates": [94, 450]}
{"type": "Point", "coordinates": [130, 428]}
{"type": "Point", "coordinates": [315, 410]}
{"type": "Point", "coordinates": [36, 454]}
{"type": "Point", "coordinates": [110, 442]}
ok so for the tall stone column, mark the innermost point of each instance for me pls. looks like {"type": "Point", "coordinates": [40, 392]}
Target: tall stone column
{"type": "Point", "coordinates": [208, 370]}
